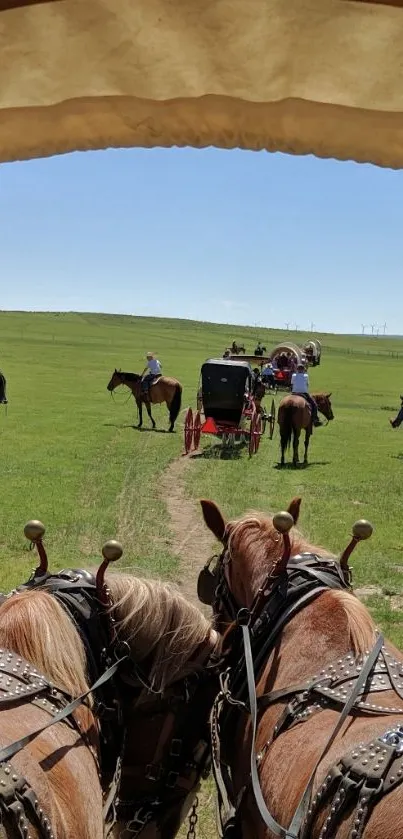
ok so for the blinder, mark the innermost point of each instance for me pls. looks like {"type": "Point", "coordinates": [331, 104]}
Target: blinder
{"type": "Point", "coordinates": [207, 582]}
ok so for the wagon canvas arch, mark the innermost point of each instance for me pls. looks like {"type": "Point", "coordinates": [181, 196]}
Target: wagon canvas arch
{"type": "Point", "coordinates": [92, 74]}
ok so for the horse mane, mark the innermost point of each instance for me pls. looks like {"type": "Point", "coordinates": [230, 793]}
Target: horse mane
{"type": "Point", "coordinates": [131, 377]}
{"type": "Point", "coordinates": [161, 626]}
{"type": "Point", "coordinates": [34, 625]}
{"type": "Point", "coordinates": [254, 536]}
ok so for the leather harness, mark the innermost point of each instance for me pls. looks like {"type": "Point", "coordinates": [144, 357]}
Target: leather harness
{"type": "Point", "coordinates": [181, 757]}
{"type": "Point", "coordinates": [362, 776]}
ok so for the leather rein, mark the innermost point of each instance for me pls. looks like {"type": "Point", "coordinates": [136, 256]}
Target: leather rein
{"type": "Point", "coordinates": [344, 684]}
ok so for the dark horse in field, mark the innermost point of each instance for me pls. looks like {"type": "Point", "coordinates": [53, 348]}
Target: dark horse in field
{"type": "Point", "coordinates": [294, 415]}
{"type": "Point", "coordinates": [3, 385]}
{"type": "Point", "coordinates": [164, 389]}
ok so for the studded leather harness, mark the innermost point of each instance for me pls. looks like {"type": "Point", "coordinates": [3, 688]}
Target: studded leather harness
{"type": "Point", "coordinates": [181, 755]}
{"type": "Point", "coordinates": [363, 775]}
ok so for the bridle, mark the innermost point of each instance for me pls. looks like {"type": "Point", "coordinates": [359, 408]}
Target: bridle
{"type": "Point", "coordinates": [288, 588]}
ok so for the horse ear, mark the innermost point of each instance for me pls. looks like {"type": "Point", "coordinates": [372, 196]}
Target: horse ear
{"type": "Point", "coordinates": [213, 518]}
{"type": "Point", "coordinates": [328, 395]}
{"type": "Point", "coordinates": [294, 508]}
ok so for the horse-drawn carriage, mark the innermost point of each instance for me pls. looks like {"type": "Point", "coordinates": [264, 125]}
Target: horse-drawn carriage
{"type": "Point", "coordinates": [285, 358]}
{"type": "Point", "coordinates": [229, 408]}
{"type": "Point", "coordinates": [313, 352]}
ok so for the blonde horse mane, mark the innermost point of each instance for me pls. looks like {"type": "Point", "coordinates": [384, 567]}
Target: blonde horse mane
{"type": "Point", "coordinates": [34, 625]}
{"type": "Point", "coordinates": [158, 623]}
{"type": "Point", "coordinates": [254, 536]}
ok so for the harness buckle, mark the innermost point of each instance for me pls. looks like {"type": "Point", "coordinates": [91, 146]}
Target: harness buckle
{"type": "Point", "coordinates": [243, 617]}
{"type": "Point", "coordinates": [172, 779]}
{"type": "Point", "coordinates": [153, 771]}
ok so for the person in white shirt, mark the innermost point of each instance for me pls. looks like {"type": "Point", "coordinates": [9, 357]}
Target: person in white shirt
{"type": "Point", "coordinates": [150, 372]}
{"type": "Point", "coordinates": [300, 386]}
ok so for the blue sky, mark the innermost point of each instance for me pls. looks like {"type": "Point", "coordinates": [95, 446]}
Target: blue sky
{"type": "Point", "coordinates": [233, 237]}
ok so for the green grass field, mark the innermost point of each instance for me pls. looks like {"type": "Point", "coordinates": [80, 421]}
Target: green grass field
{"type": "Point", "coordinates": [70, 454]}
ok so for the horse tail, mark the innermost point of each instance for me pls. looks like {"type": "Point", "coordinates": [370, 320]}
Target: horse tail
{"type": "Point", "coordinates": [286, 427]}
{"type": "Point", "coordinates": [176, 403]}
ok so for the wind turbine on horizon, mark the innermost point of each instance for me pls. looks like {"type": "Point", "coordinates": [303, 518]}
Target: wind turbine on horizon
{"type": "Point", "coordinates": [287, 326]}
{"type": "Point", "coordinates": [373, 325]}
{"type": "Point", "coordinates": [364, 326]}
{"type": "Point", "coordinates": [384, 328]}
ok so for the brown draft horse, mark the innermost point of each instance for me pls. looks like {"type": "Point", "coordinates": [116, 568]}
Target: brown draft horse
{"type": "Point", "coordinates": [328, 642]}
{"type": "Point", "coordinates": [164, 389]}
{"type": "Point", "coordinates": [165, 699]}
{"type": "Point", "coordinates": [61, 764]}
{"type": "Point", "coordinates": [294, 415]}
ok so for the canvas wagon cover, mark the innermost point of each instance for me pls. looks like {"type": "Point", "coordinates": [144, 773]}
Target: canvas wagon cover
{"type": "Point", "coordinates": [301, 76]}
{"type": "Point", "coordinates": [287, 347]}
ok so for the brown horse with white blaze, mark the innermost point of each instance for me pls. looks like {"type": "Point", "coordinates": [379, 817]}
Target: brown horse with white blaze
{"type": "Point", "coordinates": [295, 415]}
{"type": "Point", "coordinates": [164, 389]}
{"type": "Point", "coordinates": [327, 758]}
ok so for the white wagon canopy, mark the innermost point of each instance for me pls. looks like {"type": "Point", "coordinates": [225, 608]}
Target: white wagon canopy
{"type": "Point", "coordinates": [302, 76]}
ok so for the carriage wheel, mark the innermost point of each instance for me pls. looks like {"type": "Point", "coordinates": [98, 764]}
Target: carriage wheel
{"type": "Point", "coordinates": [188, 430]}
{"type": "Point", "coordinates": [197, 430]}
{"type": "Point", "coordinates": [257, 432]}
{"type": "Point", "coordinates": [272, 419]}
{"type": "Point", "coordinates": [252, 434]}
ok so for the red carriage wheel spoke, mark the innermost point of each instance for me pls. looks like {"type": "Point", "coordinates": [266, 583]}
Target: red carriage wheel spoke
{"type": "Point", "coordinates": [257, 432]}
{"type": "Point", "coordinates": [188, 430]}
{"type": "Point", "coordinates": [251, 434]}
{"type": "Point", "coordinates": [197, 430]}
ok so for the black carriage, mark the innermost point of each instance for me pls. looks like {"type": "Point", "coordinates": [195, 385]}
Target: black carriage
{"type": "Point", "coordinates": [225, 398]}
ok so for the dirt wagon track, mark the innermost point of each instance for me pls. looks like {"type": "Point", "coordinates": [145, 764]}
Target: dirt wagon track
{"type": "Point", "coordinates": [192, 542]}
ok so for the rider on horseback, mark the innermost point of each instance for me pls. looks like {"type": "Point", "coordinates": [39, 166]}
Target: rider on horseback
{"type": "Point", "coordinates": [300, 386]}
{"type": "Point", "coordinates": [151, 372]}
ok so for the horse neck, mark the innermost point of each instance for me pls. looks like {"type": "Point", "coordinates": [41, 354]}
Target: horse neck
{"type": "Point", "coordinates": [162, 629]}
{"type": "Point", "coordinates": [334, 624]}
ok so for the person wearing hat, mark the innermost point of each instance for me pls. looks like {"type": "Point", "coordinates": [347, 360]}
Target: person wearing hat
{"type": "Point", "coordinates": [300, 386]}
{"type": "Point", "coordinates": [150, 372]}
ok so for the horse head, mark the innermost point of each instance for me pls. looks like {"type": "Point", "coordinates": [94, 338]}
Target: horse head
{"type": "Point", "coordinates": [252, 549]}
{"type": "Point", "coordinates": [324, 405]}
{"type": "Point", "coordinates": [116, 379]}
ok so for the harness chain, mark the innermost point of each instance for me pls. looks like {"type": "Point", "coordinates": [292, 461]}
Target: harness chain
{"type": "Point", "coordinates": [362, 776]}
{"type": "Point", "coordinates": [193, 819]}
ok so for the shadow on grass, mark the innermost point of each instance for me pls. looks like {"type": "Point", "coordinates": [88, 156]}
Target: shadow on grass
{"type": "Point", "coordinates": [142, 430]}
{"type": "Point", "coordinates": [302, 465]}
{"type": "Point", "coordinates": [397, 456]}
{"type": "Point", "coordinates": [217, 452]}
